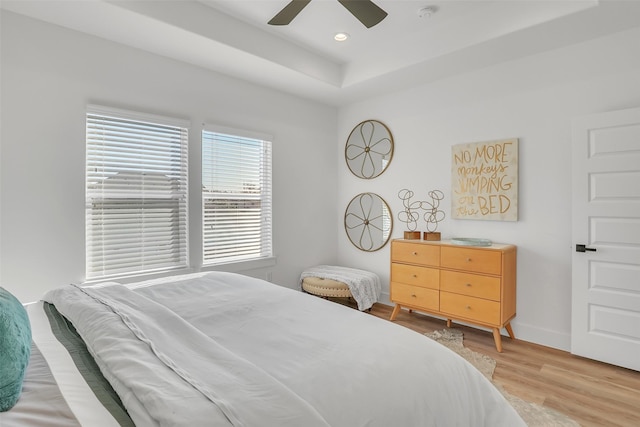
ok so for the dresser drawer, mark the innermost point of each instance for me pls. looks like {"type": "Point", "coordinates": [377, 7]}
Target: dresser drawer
{"type": "Point", "coordinates": [473, 285]}
{"type": "Point", "coordinates": [475, 260]}
{"type": "Point", "coordinates": [416, 296]}
{"type": "Point", "coordinates": [415, 253]}
{"type": "Point", "coordinates": [418, 276]}
{"type": "Point", "coordinates": [466, 307]}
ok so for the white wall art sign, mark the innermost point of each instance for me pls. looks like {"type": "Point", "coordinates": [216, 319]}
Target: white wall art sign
{"type": "Point", "coordinates": [484, 180]}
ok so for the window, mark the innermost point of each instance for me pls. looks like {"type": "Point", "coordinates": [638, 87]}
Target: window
{"type": "Point", "coordinates": [236, 196]}
{"type": "Point", "coordinates": [136, 193]}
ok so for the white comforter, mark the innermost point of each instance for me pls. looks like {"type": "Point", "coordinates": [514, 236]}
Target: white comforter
{"type": "Point", "coordinates": [220, 349]}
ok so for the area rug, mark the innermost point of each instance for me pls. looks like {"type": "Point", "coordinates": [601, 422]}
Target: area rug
{"type": "Point", "coordinates": [533, 414]}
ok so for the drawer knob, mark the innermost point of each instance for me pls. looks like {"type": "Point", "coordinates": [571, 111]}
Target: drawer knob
{"type": "Point", "coordinates": [468, 307]}
{"type": "Point", "coordinates": [415, 275]}
{"type": "Point", "coordinates": [413, 295]}
{"type": "Point", "coordinates": [468, 259]}
{"type": "Point", "coordinates": [468, 285]}
{"type": "Point", "coordinates": [415, 253]}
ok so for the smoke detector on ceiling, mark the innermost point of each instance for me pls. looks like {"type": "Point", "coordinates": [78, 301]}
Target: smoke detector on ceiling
{"type": "Point", "coordinates": [427, 11]}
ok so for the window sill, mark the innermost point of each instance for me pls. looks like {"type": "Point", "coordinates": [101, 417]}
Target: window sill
{"type": "Point", "coordinates": [238, 266]}
{"type": "Point", "coordinates": [231, 267]}
{"type": "Point", "coordinates": [139, 276]}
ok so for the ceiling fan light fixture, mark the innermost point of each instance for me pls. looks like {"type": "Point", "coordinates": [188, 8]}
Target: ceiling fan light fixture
{"type": "Point", "coordinates": [341, 37]}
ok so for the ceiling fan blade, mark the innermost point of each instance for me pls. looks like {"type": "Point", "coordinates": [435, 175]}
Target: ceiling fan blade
{"type": "Point", "coordinates": [290, 11]}
{"type": "Point", "coordinates": [366, 11]}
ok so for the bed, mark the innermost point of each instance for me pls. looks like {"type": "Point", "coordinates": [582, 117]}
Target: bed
{"type": "Point", "coordinates": [223, 349]}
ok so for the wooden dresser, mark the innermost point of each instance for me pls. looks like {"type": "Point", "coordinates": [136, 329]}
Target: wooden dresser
{"type": "Point", "coordinates": [475, 285]}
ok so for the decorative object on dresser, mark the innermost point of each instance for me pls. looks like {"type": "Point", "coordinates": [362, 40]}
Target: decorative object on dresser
{"type": "Point", "coordinates": [368, 222]}
{"type": "Point", "coordinates": [475, 285]}
{"type": "Point", "coordinates": [410, 216]}
{"type": "Point", "coordinates": [470, 241]}
{"type": "Point", "coordinates": [369, 149]}
{"type": "Point", "coordinates": [433, 215]}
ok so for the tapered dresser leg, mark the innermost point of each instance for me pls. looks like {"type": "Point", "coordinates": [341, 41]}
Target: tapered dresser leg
{"type": "Point", "coordinates": [395, 312]}
{"type": "Point", "coordinates": [498, 339]}
{"type": "Point", "coordinates": [510, 331]}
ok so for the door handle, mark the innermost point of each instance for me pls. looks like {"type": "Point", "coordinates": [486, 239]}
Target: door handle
{"type": "Point", "coordinates": [584, 248]}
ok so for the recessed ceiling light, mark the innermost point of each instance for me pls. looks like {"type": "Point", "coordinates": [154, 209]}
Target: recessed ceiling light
{"type": "Point", "coordinates": [340, 37]}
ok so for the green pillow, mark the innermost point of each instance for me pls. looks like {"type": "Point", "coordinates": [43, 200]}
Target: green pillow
{"type": "Point", "coordinates": [15, 348]}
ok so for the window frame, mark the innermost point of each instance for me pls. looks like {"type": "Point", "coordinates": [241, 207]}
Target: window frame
{"type": "Point", "coordinates": [181, 196]}
{"type": "Point", "coordinates": [267, 260]}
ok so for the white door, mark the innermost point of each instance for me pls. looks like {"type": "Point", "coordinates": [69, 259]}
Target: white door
{"type": "Point", "coordinates": [605, 318]}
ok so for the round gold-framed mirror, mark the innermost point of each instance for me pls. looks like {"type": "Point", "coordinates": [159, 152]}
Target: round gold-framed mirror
{"type": "Point", "coordinates": [368, 222]}
{"type": "Point", "coordinates": [369, 149]}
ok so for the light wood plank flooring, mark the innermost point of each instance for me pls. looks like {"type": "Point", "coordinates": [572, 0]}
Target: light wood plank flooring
{"type": "Point", "coordinates": [590, 392]}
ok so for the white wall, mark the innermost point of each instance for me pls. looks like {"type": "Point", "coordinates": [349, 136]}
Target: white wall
{"type": "Point", "coordinates": [49, 74]}
{"type": "Point", "coordinates": [533, 99]}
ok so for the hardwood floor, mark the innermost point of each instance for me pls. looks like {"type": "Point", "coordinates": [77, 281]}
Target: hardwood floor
{"type": "Point", "coordinates": [592, 393]}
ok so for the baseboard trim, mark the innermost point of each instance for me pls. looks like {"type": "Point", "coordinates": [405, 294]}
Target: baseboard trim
{"type": "Point", "coordinates": [542, 336]}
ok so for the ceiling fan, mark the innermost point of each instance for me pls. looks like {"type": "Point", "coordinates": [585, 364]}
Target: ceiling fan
{"type": "Point", "coordinates": [365, 11]}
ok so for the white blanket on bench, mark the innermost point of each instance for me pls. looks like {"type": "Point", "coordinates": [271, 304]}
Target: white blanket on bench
{"type": "Point", "coordinates": [364, 285]}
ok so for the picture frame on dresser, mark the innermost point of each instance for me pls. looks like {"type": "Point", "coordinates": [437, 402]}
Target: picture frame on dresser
{"type": "Point", "coordinates": [474, 285]}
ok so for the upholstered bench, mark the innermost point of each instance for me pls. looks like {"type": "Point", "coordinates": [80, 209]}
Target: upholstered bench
{"type": "Point", "coordinates": [342, 282]}
{"type": "Point", "coordinates": [325, 287]}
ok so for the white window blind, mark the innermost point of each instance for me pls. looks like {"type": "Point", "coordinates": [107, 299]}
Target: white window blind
{"type": "Point", "coordinates": [236, 197]}
{"type": "Point", "coordinates": [136, 193]}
